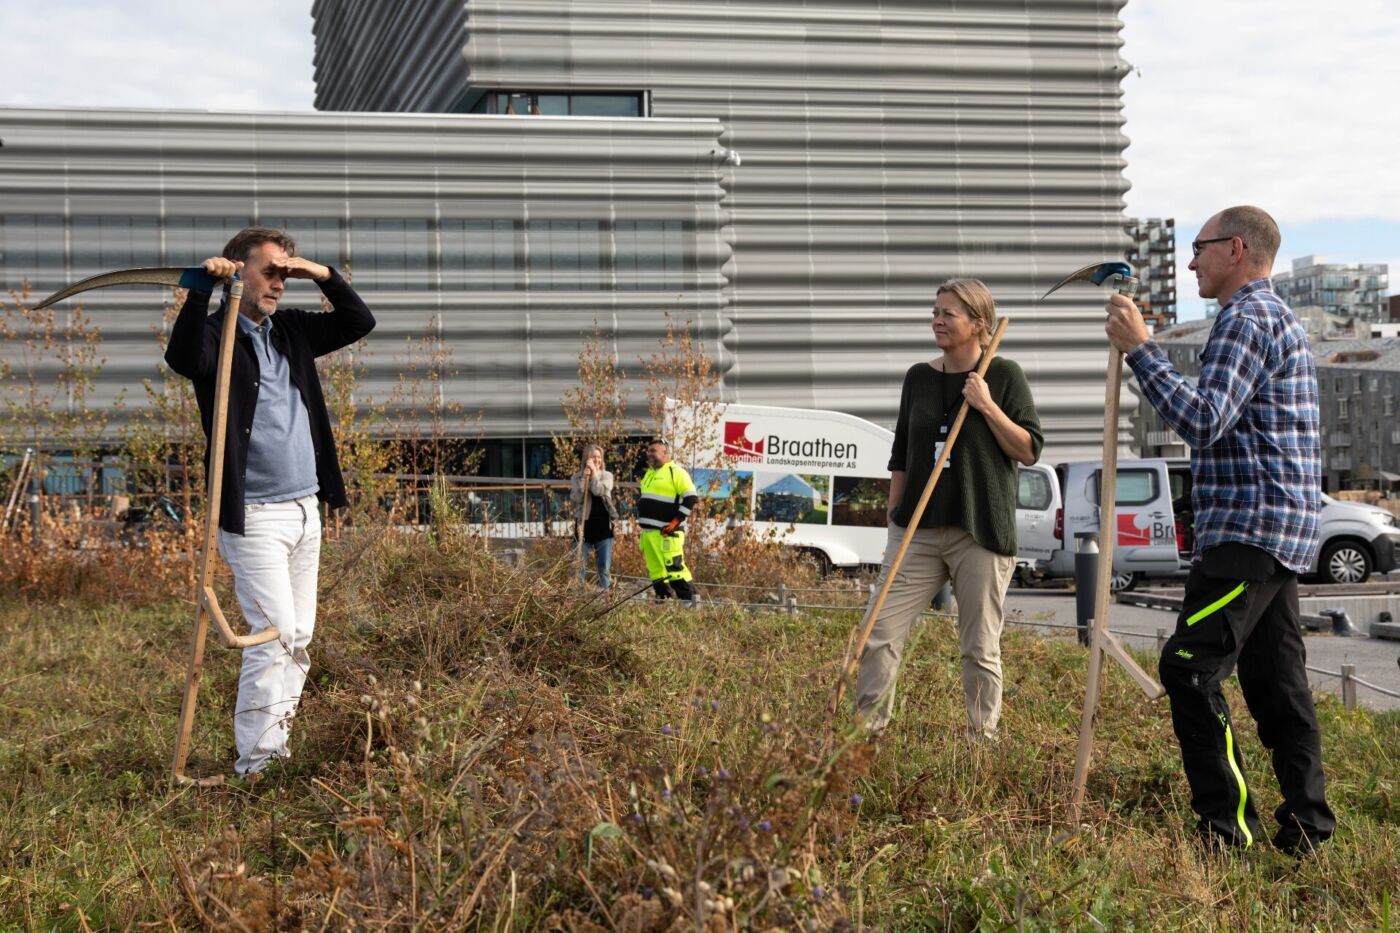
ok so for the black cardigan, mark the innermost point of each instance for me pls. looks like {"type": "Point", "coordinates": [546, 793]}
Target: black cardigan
{"type": "Point", "coordinates": [301, 336]}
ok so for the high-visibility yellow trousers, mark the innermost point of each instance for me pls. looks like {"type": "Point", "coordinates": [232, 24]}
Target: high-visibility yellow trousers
{"type": "Point", "coordinates": [665, 557]}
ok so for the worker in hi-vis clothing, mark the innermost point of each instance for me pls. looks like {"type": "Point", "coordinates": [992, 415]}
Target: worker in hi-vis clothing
{"type": "Point", "coordinates": [667, 496]}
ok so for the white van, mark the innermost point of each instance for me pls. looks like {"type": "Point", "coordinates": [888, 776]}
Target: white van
{"type": "Point", "coordinates": [819, 480]}
{"type": "Point", "coordinates": [1150, 539]}
{"type": "Point", "coordinates": [1156, 532]}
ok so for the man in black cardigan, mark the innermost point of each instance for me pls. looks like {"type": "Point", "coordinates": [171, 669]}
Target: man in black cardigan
{"type": "Point", "coordinates": [279, 460]}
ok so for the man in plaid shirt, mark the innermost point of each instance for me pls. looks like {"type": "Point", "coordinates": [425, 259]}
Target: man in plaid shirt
{"type": "Point", "coordinates": [1252, 423]}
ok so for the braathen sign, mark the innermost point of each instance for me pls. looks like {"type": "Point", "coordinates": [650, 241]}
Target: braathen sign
{"type": "Point", "coordinates": [798, 440]}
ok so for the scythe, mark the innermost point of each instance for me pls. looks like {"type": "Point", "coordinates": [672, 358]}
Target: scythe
{"type": "Point", "coordinates": [1101, 640]}
{"type": "Point", "coordinates": [206, 604]}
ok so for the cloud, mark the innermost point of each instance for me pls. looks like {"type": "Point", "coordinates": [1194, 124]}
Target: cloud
{"type": "Point", "coordinates": [255, 55]}
{"type": "Point", "coordinates": [1283, 104]}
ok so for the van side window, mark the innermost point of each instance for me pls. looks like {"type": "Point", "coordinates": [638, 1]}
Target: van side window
{"type": "Point", "coordinates": [1135, 487]}
{"type": "Point", "coordinates": [1033, 491]}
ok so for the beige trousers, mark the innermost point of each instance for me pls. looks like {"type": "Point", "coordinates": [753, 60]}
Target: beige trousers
{"type": "Point", "coordinates": [980, 579]}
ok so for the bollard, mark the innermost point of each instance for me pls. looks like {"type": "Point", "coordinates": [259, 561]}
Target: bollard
{"type": "Point", "coordinates": [1161, 640]}
{"type": "Point", "coordinates": [782, 594]}
{"type": "Point", "coordinates": [1349, 686]}
{"type": "Point", "coordinates": [1086, 575]}
{"type": "Point", "coordinates": [792, 606]}
{"type": "Point", "coordinates": [1341, 623]}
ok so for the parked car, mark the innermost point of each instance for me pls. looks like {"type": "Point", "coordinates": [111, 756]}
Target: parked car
{"type": "Point", "coordinates": [1357, 540]}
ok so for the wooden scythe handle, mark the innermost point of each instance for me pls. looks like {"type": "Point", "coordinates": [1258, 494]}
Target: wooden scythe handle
{"type": "Point", "coordinates": [206, 606]}
{"type": "Point", "coordinates": [879, 604]}
{"type": "Point", "coordinates": [1099, 637]}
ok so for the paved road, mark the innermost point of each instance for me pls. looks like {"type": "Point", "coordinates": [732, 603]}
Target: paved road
{"type": "Point", "coordinates": [1375, 659]}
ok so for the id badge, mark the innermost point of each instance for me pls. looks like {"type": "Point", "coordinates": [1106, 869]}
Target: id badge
{"type": "Point", "coordinates": [938, 452]}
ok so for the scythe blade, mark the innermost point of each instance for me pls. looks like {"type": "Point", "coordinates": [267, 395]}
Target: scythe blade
{"type": "Point", "coordinates": [193, 277]}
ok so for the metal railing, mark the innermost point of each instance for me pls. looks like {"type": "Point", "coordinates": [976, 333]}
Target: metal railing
{"type": "Point", "coordinates": [789, 604]}
{"type": "Point", "coordinates": [1350, 682]}
{"type": "Point", "coordinates": [785, 602]}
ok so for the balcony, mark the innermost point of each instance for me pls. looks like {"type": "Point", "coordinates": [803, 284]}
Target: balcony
{"type": "Point", "coordinates": [1340, 462]}
{"type": "Point", "coordinates": [1339, 440]}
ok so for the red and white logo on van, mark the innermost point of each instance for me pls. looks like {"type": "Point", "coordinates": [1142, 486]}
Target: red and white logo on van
{"type": "Point", "coordinates": [737, 444]}
{"type": "Point", "coordinates": [1130, 535]}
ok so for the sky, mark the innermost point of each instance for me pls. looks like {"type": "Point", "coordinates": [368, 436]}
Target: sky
{"type": "Point", "coordinates": [1287, 104]}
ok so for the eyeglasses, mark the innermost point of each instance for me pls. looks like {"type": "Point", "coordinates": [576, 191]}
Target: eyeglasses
{"type": "Point", "coordinates": [1196, 245]}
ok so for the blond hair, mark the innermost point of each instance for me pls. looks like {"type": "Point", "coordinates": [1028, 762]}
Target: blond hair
{"type": "Point", "coordinates": [977, 299]}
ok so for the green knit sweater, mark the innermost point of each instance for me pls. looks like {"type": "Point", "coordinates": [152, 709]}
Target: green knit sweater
{"type": "Point", "coordinates": [977, 489]}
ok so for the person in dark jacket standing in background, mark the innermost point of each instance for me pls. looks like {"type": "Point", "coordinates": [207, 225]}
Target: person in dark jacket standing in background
{"type": "Point", "coordinates": [1253, 424]}
{"type": "Point", "coordinates": [279, 462]}
{"type": "Point", "coordinates": [967, 534]}
{"type": "Point", "coordinates": [591, 492]}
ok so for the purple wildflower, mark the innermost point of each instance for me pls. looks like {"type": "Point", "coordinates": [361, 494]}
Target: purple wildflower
{"type": "Point", "coordinates": [855, 800]}
{"type": "Point", "coordinates": [666, 729]}
{"type": "Point", "coordinates": [818, 893]}
{"type": "Point", "coordinates": [765, 826]}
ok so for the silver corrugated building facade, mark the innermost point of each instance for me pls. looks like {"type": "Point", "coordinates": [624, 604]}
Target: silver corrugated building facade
{"type": "Point", "coordinates": [499, 240]}
{"type": "Point", "coordinates": [885, 147]}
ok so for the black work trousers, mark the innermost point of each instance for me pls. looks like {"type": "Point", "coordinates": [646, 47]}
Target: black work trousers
{"type": "Point", "coordinates": [1241, 608]}
{"type": "Point", "coordinates": [683, 589]}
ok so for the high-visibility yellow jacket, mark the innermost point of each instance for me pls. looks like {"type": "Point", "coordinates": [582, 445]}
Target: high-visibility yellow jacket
{"type": "Point", "coordinates": [667, 492]}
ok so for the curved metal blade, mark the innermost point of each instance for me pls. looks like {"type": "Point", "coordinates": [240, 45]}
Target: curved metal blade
{"type": "Point", "coordinates": [192, 277]}
{"type": "Point", "coordinates": [1096, 272]}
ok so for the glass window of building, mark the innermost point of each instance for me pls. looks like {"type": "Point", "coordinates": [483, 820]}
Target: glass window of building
{"type": "Point", "coordinates": [553, 105]}
{"type": "Point", "coordinates": [558, 103]}
{"type": "Point", "coordinates": [317, 238]}
{"type": "Point", "coordinates": [650, 254]}
{"type": "Point", "coordinates": [31, 249]}
{"type": "Point", "coordinates": [606, 105]}
{"type": "Point", "coordinates": [390, 254]}
{"type": "Point", "coordinates": [478, 255]}
{"type": "Point", "coordinates": [104, 244]}
{"type": "Point", "coordinates": [191, 240]}
{"type": "Point", "coordinates": [565, 255]}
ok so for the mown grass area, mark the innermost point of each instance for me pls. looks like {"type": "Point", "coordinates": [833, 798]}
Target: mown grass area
{"type": "Point", "coordinates": [476, 750]}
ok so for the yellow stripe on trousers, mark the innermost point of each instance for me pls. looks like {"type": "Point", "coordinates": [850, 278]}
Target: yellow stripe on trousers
{"type": "Point", "coordinates": [1220, 603]}
{"type": "Point", "coordinates": [1239, 780]}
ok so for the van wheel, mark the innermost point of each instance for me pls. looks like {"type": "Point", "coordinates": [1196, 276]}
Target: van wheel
{"type": "Point", "coordinates": [1123, 581]}
{"type": "Point", "coordinates": [1344, 562]}
{"type": "Point", "coordinates": [817, 558]}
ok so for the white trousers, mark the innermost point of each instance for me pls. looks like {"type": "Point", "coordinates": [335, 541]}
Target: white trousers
{"type": "Point", "coordinates": [980, 579]}
{"type": "Point", "coordinates": [275, 565]}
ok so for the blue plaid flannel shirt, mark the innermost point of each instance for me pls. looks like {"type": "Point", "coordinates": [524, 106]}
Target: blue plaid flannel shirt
{"type": "Point", "coordinates": [1252, 422]}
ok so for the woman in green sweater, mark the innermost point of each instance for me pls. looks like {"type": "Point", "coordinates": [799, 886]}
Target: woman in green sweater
{"type": "Point", "coordinates": [968, 531]}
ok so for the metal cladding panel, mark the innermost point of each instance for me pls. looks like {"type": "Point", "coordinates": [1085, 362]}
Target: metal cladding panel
{"type": "Point", "coordinates": [886, 145]}
{"type": "Point", "coordinates": [511, 349]}
{"type": "Point", "coordinates": [404, 50]}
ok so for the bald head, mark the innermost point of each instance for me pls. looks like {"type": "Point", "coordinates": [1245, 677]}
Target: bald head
{"type": "Point", "coordinates": [1256, 229]}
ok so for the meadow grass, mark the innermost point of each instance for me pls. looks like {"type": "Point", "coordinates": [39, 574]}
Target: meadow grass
{"type": "Point", "coordinates": [477, 748]}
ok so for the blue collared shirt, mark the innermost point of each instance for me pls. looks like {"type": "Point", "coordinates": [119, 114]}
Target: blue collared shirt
{"type": "Point", "coordinates": [1252, 422]}
{"type": "Point", "coordinates": [281, 456]}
